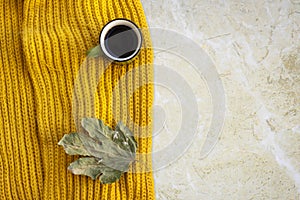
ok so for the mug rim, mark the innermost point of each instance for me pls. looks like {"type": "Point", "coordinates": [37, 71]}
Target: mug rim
{"type": "Point", "coordinates": [114, 23]}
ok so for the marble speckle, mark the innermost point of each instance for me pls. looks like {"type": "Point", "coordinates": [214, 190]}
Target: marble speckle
{"type": "Point", "coordinates": [255, 46]}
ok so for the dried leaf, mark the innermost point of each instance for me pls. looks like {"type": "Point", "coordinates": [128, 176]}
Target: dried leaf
{"type": "Point", "coordinates": [94, 52]}
{"type": "Point", "coordinates": [73, 145]}
{"type": "Point", "coordinates": [91, 167]}
{"type": "Point", "coordinates": [111, 152]}
{"type": "Point", "coordinates": [86, 166]}
{"type": "Point", "coordinates": [127, 138]}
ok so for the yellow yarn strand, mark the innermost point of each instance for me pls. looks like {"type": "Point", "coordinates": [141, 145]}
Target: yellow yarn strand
{"type": "Point", "coordinates": [42, 46]}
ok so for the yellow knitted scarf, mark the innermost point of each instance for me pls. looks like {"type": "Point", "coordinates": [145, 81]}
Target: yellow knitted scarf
{"type": "Point", "coordinates": [42, 46]}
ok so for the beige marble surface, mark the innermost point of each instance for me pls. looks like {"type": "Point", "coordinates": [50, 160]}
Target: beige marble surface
{"type": "Point", "coordinates": [255, 46]}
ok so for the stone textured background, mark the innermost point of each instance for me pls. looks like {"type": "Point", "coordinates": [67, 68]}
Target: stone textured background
{"type": "Point", "coordinates": [255, 46]}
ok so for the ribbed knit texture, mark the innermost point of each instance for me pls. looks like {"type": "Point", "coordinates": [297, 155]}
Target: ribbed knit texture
{"type": "Point", "coordinates": [42, 46]}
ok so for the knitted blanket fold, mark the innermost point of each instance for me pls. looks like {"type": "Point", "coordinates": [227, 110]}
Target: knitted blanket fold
{"type": "Point", "coordinates": [43, 45]}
